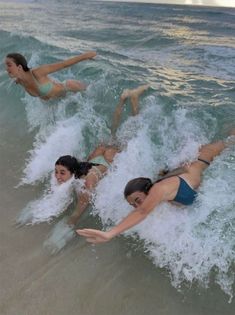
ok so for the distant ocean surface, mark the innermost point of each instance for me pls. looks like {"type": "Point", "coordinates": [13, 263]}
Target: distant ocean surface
{"type": "Point", "coordinates": [179, 260]}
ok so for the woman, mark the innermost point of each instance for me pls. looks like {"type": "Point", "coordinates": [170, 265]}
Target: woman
{"type": "Point", "coordinates": [177, 186]}
{"type": "Point", "coordinates": [98, 161]}
{"type": "Point", "coordinates": [91, 171]}
{"type": "Point", "coordinates": [36, 81]}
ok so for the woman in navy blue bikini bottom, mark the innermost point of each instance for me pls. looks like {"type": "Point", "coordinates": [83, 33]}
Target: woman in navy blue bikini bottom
{"type": "Point", "coordinates": [144, 195]}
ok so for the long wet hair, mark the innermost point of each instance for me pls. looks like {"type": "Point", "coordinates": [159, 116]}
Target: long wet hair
{"type": "Point", "coordinates": [19, 60]}
{"type": "Point", "coordinates": [77, 168]}
{"type": "Point", "coordinates": [142, 184]}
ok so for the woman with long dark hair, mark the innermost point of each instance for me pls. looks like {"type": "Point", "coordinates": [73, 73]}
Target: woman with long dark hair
{"type": "Point", "coordinates": [36, 81]}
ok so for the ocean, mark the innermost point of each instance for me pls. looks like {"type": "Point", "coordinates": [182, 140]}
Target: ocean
{"type": "Point", "coordinates": [179, 260]}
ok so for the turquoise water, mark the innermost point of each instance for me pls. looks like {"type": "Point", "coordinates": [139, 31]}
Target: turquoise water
{"type": "Point", "coordinates": [182, 260]}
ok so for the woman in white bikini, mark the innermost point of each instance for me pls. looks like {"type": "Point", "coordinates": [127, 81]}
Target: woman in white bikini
{"type": "Point", "coordinates": [91, 171]}
{"type": "Point", "coordinates": [97, 162]}
{"type": "Point", "coordinates": [36, 81]}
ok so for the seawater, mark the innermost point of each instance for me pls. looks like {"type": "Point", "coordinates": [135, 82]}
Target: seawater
{"type": "Point", "coordinates": [184, 257]}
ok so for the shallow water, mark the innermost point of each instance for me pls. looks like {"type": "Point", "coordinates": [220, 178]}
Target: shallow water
{"type": "Point", "coordinates": [183, 259]}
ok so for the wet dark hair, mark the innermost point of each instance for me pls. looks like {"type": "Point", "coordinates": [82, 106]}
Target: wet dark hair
{"type": "Point", "coordinates": [77, 168]}
{"type": "Point", "coordinates": [19, 60]}
{"type": "Point", "coordinates": [141, 184]}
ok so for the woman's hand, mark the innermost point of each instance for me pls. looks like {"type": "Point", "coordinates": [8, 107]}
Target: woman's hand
{"type": "Point", "coordinates": [95, 236]}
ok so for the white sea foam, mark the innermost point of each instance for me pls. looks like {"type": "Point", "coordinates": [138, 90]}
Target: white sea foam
{"type": "Point", "coordinates": [189, 58]}
{"type": "Point", "coordinates": [193, 243]}
{"type": "Point", "coordinates": [65, 139]}
{"type": "Point", "coordinates": [59, 135]}
{"type": "Point", "coordinates": [53, 202]}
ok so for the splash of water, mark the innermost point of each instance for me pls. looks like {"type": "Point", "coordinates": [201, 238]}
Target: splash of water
{"type": "Point", "coordinates": [52, 203]}
{"type": "Point", "coordinates": [195, 243]}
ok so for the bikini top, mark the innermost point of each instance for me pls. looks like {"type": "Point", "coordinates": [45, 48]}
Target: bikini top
{"type": "Point", "coordinates": [43, 88]}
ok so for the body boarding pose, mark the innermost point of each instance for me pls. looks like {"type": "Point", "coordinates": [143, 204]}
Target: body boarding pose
{"type": "Point", "coordinates": [36, 81]}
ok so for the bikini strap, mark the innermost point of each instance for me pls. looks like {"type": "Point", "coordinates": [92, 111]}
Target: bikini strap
{"type": "Point", "coordinates": [204, 161]}
{"type": "Point", "coordinates": [96, 172]}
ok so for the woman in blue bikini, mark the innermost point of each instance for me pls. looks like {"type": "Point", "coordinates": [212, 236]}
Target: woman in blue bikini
{"type": "Point", "coordinates": [178, 186]}
{"type": "Point", "coordinates": [36, 81]}
{"type": "Point", "coordinates": [98, 162]}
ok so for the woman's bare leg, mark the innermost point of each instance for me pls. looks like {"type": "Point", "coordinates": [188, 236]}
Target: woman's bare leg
{"type": "Point", "coordinates": [117, 113]}
{"type": "Point", "coordinates": [134, 98]}
{"type": "Point", "coordinates": [209, 151]}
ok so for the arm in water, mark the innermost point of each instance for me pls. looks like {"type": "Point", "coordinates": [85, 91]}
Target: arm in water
{"type": "Point", "coordinates": [83, 199]}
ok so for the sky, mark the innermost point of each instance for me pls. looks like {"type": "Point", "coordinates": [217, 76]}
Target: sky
{"type": "Point", "coordinates": [223, 3]}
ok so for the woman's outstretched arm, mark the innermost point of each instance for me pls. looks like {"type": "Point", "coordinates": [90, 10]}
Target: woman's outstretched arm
{"type": "Point", "coordinates": [154, 198]}
{"type": "Point", "coordinates": [83, 198]}
{"type": "Point", "coordinates": [50, 68]}
{"type": "Point", "coordinates": [83, 201]}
